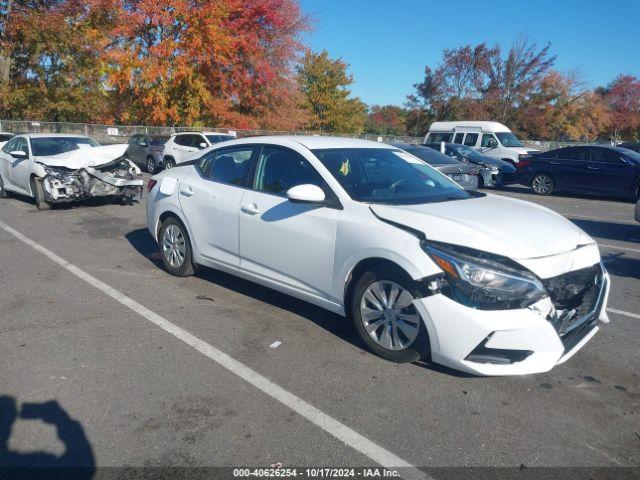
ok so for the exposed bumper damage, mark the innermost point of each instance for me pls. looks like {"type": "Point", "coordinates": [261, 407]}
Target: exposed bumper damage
{"type": "Point", "coordinates": [115, 178]}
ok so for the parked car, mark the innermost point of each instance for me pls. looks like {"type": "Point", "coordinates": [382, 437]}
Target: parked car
{"type": "Point", "coordinates": [57, 168]}
{"type": "Point", "coordinates": [493, 172]}
{"type": "Point", "coordinates": [183, 145]}
{"type": "Point", "coordinates": [593, 169]}
{"type": "Point", "coordinates": [490, 138]}
{"type": "Point", "coordinates": [146, 150]}
{"type": "Point", "coordinates": [635, 146]}
{"type": "Point", "coordinates": [5, 136]}
{"type": "Point", "coordinates": [637, 213]}
{"type": "Point", "coordinates": [466, 175]}
{"type": "Point", "coordinates": [425, 269]}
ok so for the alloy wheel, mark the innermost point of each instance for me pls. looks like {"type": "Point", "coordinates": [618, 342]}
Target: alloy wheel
{"type": "Point", "coordinates": [542, 184]}
{"type": "Point", "coordinates": [151, 165]}
{"type": "Point", "coordinates": [174, 247]}
{"type": "Point", "coordinates": [389, 316]}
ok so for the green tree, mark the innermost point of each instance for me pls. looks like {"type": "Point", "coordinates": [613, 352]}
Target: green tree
{"type": "Point", "coordinates": [324, 85]}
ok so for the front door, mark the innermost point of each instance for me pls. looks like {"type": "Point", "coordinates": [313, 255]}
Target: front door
{"type": "Point", "coordinates": [20, 167]}
{"type": "Point", "coordinates": [291, 243]}
{"type": "Point", "coordinates": [609, 173]}
{"type": "Point", "coordinates": [211, 197]}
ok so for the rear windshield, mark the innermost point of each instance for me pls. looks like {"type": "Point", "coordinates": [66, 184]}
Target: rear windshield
{"type": "Point", "coordinates": [56, 145]}
{"type": "Point", "coordinates": [380, 175]}
{"type": "Point", "coordinates": [431, 155]}
{"type": "Point", "coordinates": [159, 139]}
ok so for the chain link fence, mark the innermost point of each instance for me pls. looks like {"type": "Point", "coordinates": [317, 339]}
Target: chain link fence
{"type": "Point", "coordinates": [110, 134]}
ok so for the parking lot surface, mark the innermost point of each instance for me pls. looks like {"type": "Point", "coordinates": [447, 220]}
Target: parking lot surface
{"type": "Point", "coordinates": [145, 396]}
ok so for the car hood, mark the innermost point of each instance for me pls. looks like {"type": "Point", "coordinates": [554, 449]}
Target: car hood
{"type": "Point", "coordinates": [84, 157]}
{"type": "Point", "coordinates": [504, 226]}
{"type": "Point", "coordinates": [479, 160]}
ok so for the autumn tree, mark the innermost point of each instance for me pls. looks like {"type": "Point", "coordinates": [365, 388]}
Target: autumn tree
{"type": "Point", "coordinates": [324, 84]}
{"type": "Point", "coordinates": [51, 62]}
{"type": "Point", "coordinates": [622, 97]}
{"type": "Point", "coordinates": [386, 120]}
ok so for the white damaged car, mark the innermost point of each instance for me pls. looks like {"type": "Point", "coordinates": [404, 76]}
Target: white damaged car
{"type": "Point", "coordinates": [57, 168]}
{"type": "Point", "coordinates": [425, 269]}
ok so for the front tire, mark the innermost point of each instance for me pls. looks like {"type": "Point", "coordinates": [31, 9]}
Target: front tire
{"type": "Point", "coordinates": [175, 247]}
{"type": "Point", "coordinates": [151, 165]}
{"type": "Point", "coordinates": [543, 184]}
{"type": "Point", "coordinates": [3, 192]}
{"type": "Point", "coordinates": [38, 194]}
{"type": "Point", "coordinates": [381, 307]}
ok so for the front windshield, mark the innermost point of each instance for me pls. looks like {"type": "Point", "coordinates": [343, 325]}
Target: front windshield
{"type": "Point", "coordinates": [380, 175]}
{"type": "Point", "coordinates": [508, 139]}
{"type": "Point", "coordinates": [46, 146]}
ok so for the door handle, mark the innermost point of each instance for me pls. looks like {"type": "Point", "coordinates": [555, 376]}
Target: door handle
{"type": "Point", "coordinates": [554, 163]}
{"type": "Point", "coordinates": [186, 190]}
{"type": "Point", "coordinates": [251, 209]}
{"type": "Point", "coordinates": [593, 168]}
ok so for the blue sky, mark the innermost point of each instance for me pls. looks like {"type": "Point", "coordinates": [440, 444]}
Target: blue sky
{"type": "Point", "coordinates": [388, 43]}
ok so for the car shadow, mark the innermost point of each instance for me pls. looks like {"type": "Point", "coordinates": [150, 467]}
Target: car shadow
{"type": "Point", "coordinates": [143, 243]}
{"type": "Point", "coordinates": [87, 203]}
{"type": "Point", "coordinates": [625, 232]}
{"type": "Point", "coordinates": [523, 190]}
{"type": "Point", "coordinates": [76, 463]}
{"type": "Point", "coordinates": [621, 265]}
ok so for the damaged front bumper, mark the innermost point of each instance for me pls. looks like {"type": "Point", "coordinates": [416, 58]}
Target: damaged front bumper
{"type": "Point", "coordinates": [119, 178]}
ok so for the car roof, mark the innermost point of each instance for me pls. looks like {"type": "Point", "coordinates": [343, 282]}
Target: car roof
{"type": "Point", "coordinates": [312, 142]}
{"type": "Point", "coordinates": [490, 127]}
{"type": "Point", "coordinates": [53, 135]}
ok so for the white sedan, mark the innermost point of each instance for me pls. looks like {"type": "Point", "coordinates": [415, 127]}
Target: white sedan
{"type": "Point", "coordinates": [425, 270]}
{"type": "Point", "coordinates": [58, 168]}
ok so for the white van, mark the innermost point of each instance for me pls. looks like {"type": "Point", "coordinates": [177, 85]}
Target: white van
{"type": "Point", "coordinates": [491, 138]}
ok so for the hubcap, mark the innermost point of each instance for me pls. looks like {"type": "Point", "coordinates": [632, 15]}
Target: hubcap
{"type": "Point", "coordinates": [168, 165]}
{"type": "Point", "coordinates": [542, 184]}
{"type": "Point", "coordinates": [151, 166]}
{"type": "Point", "coordinates": [174, 247]}
{"type": "Point", "coordinates": [389, 316]}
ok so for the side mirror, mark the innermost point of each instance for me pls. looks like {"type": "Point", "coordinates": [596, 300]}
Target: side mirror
{"type": "Point", "coordinates": [202, 145]}
{"type": "Point", "coordinates": [19, 154]}
{"type": "Point", "coordinates": [307, 193]}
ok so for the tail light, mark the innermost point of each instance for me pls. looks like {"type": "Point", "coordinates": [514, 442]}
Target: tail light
{"type": "Point", "coordinates": [150, 184]}
{"type": "Point", "coordinates": [523, 163]}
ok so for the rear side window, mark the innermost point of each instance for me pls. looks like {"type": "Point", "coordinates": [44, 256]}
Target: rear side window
{"type": "Point", "coordinates": [605, 155]}
{"type": "Point", "coordinates": [458, 138]}
{"type": "Point", "coordinates": [232, 165]}
{"type": "Point", "coordinates": [440, 137]}
{"type": "Point", "coordinates": [471, 139]}
{"type": "Point", "coordinates": [280, 169]}
{"type": "Point", "coordinates": [574, 153]}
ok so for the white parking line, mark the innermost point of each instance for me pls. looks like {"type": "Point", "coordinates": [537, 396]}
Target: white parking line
{"type": "Point", "coordinates": [622, 312]}
{"type": "Point", "coordinates": [332, 426]}
{"type": "Point", "coordinates": [616, 247]}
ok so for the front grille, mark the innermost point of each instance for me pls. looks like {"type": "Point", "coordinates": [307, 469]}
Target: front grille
{"type": "Point", "coordinates": [575, 296]}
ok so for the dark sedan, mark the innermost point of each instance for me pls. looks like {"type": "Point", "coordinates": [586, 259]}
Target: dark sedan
{"type": "Point", "coordinates": [493, 172]}
{"type": "Point", "coordinates": [464, 174]}
{"type": "Point", "coordinates": [146, 150]}
{"type": "Point", "coordinates": [592, 169]}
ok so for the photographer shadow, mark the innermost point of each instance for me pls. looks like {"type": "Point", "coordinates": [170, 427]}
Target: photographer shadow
{"type": "Point", "coordinates": [76, 463]}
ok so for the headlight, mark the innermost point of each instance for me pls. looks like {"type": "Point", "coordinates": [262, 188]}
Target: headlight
{"type": "Point", "coordinates": [484, 281]}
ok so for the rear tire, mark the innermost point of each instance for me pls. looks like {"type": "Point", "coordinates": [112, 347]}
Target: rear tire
{"type": "Point", "coordinates": [175, 248]}
{"type": "Point", "coordinates": [543, 184]}
{"type": "Point", "coordinates": [38, 194]}
{"type": "Point", "coordinates": [391, 328]}
{"type": "Point", "coordinates": [169, 163]}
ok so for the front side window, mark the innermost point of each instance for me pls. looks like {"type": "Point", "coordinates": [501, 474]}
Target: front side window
{"type": "Point", "coordinates": [134, 139]}
{"type": "Point", "coordinates": [45, 146]}
{"type": "Point", "coordinates": [440, 137]}
{"type": "Point", "coordinates": [231, 166]}
{"type": "Point", "coordinates": [458, 138]}
{"type": "Point", "coordinates": [380, 175]}
{"type": "Point", "coordinates": [281, 169]}
{"type": "Point", "coordinates": [471, 139]}
{"type": "Point", "coordinates": [21, 145]}
{"type": "Point", "coordinates": [508, 139]}
{"type": "Point", "coordinates": [487, 140]}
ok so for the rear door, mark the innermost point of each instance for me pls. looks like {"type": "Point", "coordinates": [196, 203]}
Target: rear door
{"type": "Point", "coordinates": [608, 172]}
{"type": "Point", "coordinates": [211, 197]}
